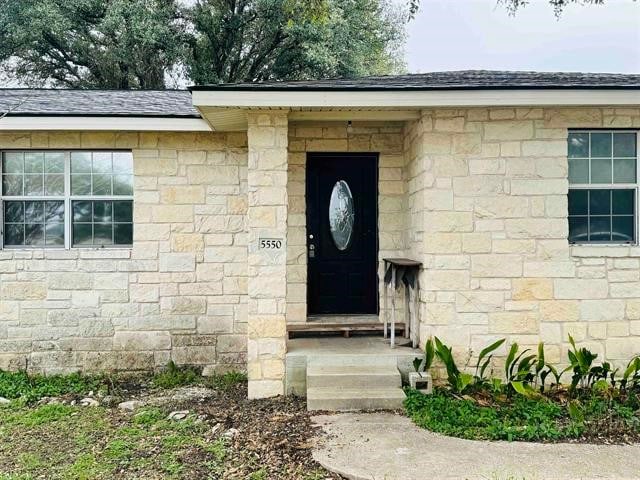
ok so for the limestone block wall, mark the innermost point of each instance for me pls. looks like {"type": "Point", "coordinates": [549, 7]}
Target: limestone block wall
{"type": "Point", "coordinates": [497, 259]}
{"type": "Point", "coordinates": [179, 293]}
{"type": "Point", "coordinates": [267, 219]}
{"type": "Point", "coordinates": [385, 138]}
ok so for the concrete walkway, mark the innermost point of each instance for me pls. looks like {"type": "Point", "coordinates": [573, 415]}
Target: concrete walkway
{"type": "Point", "coordinates": [384, 446]}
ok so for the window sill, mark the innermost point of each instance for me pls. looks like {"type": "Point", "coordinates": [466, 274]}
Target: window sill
{"type": "Point", "coordinates": [605, 251]}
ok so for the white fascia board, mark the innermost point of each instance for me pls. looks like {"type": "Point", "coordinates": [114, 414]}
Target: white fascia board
{"type": "Point", "coordinates": [136, 124]}
{"type": "Point", "coordinates": [415, 99]}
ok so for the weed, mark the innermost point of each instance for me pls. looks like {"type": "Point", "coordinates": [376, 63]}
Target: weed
{"type": "Point", "coordinates": [173, 376]}
{"type": "Point", "coordinates": [30, 388]}
{"type": "Point", "coordinates": [228, 380]}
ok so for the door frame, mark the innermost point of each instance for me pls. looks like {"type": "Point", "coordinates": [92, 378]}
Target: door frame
{"type": "Point", "coordinates": [370, 156]}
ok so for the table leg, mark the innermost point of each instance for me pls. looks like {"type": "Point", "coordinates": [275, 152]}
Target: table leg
{"type": "Point", "coordinates": [408, 328]}
{"type": "Point", "coordinates": [413, 314]}
{"type": "Point", "coordinates": [393, 306]}
{"type": "Point", "coordinates": [385, 310]}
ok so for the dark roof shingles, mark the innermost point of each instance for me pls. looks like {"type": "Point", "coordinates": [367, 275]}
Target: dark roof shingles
{"type": "Point", "coordinates": [143, 103]}
{"type": "Point", "coordinates": [466, 79]}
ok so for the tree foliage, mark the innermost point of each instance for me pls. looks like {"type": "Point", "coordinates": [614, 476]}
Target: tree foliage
{"type": "Point", "coordinates": [248, 40]}
{"type": "Point", "coordinates": [91, 43]}
{"type": "Point", "coordinates": [137, 43]}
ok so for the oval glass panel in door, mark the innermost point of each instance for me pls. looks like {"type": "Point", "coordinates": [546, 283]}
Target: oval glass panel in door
{"type": "Point", "coordinates": [341, 214]}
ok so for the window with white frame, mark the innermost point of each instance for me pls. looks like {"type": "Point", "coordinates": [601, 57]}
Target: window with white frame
{"type": "Point", "coordinates": [603, 186]}
{"type": "Point", "coordinates": [66, 198]}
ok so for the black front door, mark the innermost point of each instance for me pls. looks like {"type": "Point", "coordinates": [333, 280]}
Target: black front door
{"type": "Point", "coordinates": [342, 233]}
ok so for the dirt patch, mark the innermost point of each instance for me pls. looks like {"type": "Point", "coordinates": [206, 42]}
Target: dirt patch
{"type": "Point", "coordinates": [214, 433]}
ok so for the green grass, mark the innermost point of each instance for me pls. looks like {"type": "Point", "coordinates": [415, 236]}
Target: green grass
{"type": "Point", "coordinates": [64, 442]}
{"type": "Point", "coordinates": [30, 388]}
{"type": "Point", "coordinates": [518, 418]}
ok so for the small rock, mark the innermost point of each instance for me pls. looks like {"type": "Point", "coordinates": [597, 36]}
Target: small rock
{"type": "Point", "coordinates": [110, 401]}
{"type": "Point", "coordinates": [216, 427]}
{"type": "Point", "coordinates": [89, 402]}
{"type": "Point", "coordinates": [232, 432]}
{"type": "Point", "coordinates": [178, 415]}
{"type": "Point", "coordinates": [130, 405]}
{"type": "Point", "coordinates": [4, 401]}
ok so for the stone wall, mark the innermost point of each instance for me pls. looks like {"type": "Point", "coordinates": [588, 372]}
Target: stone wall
{"type": "Point", "coordinates": [497, 259]}
{"type": "Point", "coordinates": [384, 138]}
{"type": "Point", "coordinates": [179, 293]}
{"type": "Point", "coordinates": [267, 219]}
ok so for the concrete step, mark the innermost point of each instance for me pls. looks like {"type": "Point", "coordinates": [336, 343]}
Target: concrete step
{"type": "Point", "coordinates": [353, 376]}
{"type": "Point", "coordinates": [341, 399]}
{"type": "Point", "coordinates": [370, 361]}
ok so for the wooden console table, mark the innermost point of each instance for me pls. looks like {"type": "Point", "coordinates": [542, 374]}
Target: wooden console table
{"type": "Point", "coordinates": [402, 271]}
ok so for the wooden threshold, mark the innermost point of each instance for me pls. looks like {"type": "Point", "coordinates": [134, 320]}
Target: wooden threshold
{"type": "Point", "coordinates": [344, 328]}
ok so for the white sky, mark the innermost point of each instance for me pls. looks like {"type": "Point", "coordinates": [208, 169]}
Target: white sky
{"type": "Point", "coordinates": [477, 34]}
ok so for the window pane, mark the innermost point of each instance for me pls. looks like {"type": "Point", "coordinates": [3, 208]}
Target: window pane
{"type": "Point", "coordinates": [123, 185]}
{"type": "Point", "coordinates": [54, 162]}
{"type": "Point", "coordinates": [34, 234]}
{"type": "Point", "coordinates": [578, 229]}
{"type": "Point", "coordinates": [14, 212]}
{"type": "Point", "coordinates": [101, 162]}
{"type": "Point", "coordinates": [600, 202]}
{"type": "Point", "coordinates": [12, 185]}
{"type": "Point", "coordinates": [599, 229]}
{"type": "Point", "coordinates": [102, 212]}
{"type": "Point", "coordinates": [82, 234]}
{"type": "Point", "coordinates": [624, 170]}
{"type": "Point", "coordinates": [122, 211]}
{"type": "Point", "coordinates": [14, 234]}
{"type": "Point", "coordinates": [101, 184]}
{"type": "Point", "coordinates": [80, 162]}
{"type": "Point", "coordinates": [103, 234]}
{"type": "Point", "coordinates": [34, 212]}
{"type": "Point", "coordinates": [81, 184]}
{"type": "Point", "coordinates": [82, 211]}
{"type": "Point", "coordinates": [579, 145]}
{"type": "Point", "coordinates": [123, 234]}
{"type": "Point", "coordinates": [54, 184]}
{"type": "Point", "coordinates": [624, 144]}
{"type": "Point", "coordinates": [12, 162]}
{"type": "Point", "coordinates": [122, 162]}
{"type": "Point", "coordinates": [33, 185]}
{"type": "Point", "coordinates": [54, 212]}
{"type": "Point", "coordinates": [600, 170]}
{"type": "Point", "coordinates": [34, 162]}
{"type": "Point", "coordinates": [578, 170]}
{"type": "Point", "coordinates": [54, 234]}
{"type": "Point", "coordinates": [600, 144]}
{"type": "Point", "coordinates": [623, 202]}
{"type": "Point", "coordinates": [578, 202]}
{"type": "Point", "coordinates": [622, 229]}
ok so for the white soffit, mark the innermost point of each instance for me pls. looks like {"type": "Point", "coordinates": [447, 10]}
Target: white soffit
{"type": "Point", "coordinates": [414, 99]}
{"type": "Point", "coordinates": [137, 124]}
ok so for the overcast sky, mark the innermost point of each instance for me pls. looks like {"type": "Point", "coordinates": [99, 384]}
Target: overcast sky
{"type": "Point", "coordinates": [473, 34]}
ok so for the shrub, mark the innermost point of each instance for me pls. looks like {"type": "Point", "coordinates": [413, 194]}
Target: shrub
{"type": "Point", "coordinates": [521, 408]}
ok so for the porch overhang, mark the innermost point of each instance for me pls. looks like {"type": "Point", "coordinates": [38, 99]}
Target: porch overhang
{"type": "Point", "coordinates": [226, 108]}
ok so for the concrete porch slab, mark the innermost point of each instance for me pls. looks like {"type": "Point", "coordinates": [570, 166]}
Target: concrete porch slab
{"type": "Point", "coordinates": [390, 447]}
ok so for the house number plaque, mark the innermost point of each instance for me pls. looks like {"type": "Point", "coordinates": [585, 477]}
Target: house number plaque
{"type": "Point", "coordinates": [270, 243]}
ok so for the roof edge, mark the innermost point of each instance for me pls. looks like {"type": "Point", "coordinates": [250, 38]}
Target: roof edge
{"type": "Point", "coordinates": [374, 88]}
